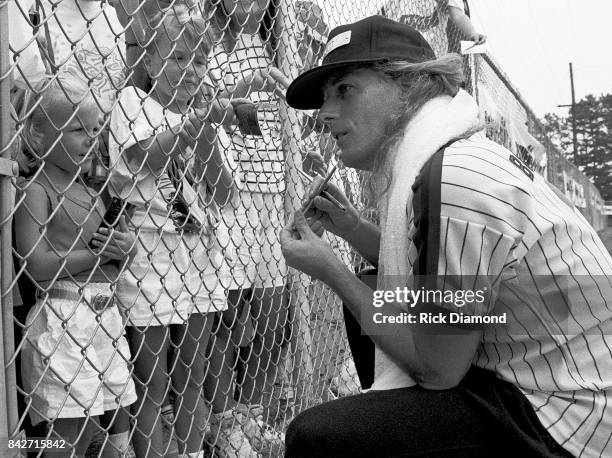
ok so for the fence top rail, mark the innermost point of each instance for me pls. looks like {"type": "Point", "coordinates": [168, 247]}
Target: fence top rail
{"type": "Point", "coordinates": [515, 92]}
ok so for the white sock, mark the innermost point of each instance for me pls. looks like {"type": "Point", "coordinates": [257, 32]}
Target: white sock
{"type": "Point", "coordinates": [252, 410]}
{"type": "Point", "coordinates": [167, 410]}
{"type": "Point", "coordinates": [222, 420]}
{"type": "Point", "coordinates": [229, 413]}
{"type": "Point", "coordinates": [199, 454]}
{"type": "Point", "coordinates": [116, 445]}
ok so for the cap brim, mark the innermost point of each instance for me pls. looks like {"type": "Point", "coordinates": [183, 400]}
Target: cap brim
{"type": "Point", "coordinates": [306, 91]}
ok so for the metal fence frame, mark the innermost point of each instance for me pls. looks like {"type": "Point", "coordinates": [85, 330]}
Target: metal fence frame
{"type": "Point", "coordinates": [8, 387]}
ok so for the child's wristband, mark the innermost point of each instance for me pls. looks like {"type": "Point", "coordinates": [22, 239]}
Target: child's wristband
{"type": "Point", "coordinates": [246, 114]}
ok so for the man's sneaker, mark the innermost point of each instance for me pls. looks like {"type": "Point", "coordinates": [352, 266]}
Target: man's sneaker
{"type": "Point", "coordinates": [228, 438]}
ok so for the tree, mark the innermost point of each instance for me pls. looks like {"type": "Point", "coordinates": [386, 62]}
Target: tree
{"type": "Point", "coordinates": [593, 117]}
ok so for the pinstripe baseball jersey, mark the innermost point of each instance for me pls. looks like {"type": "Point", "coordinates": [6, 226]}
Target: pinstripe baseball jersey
{"type": "Point", "coordinates": [546, 271]}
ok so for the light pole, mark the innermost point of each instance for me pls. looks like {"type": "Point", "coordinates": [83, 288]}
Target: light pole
{"type": "Point", "coordinates": [573, 115]}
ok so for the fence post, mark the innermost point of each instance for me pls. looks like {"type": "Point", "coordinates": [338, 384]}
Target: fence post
{"type": "Point", "coordinates": [8, 390]}
{"type": "Point", "coordinates": [301, 359]}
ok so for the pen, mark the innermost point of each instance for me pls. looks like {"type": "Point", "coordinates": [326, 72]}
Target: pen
{"type": "Point", "coordinates": [319, 190]}
{"type": "Point", "coordinates": [470, 47]}
{"type": "Point", "coordinates": [326, 194]}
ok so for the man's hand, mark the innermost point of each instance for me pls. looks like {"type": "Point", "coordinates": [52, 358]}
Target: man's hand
{"type": "Point", "coordinates": [332, 218]}
{"type": "Point", "coordinates": [304, 250]}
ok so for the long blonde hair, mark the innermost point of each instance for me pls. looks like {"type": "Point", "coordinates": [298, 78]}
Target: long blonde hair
{"type": "Point", "coordinates": [419, 83]}
{"type": "Point", "coordinates": [34, 107]}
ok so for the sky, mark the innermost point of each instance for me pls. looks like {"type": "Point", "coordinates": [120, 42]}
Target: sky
{"type": "Point", "coordinates": [533, 41]}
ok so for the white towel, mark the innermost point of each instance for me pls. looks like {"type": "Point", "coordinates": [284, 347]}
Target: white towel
{"type": "Point", "coordinates": [439, 121]}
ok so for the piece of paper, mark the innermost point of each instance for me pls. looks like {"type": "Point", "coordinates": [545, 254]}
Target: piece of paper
{"type": "Point", "coordinates": [468, 47]}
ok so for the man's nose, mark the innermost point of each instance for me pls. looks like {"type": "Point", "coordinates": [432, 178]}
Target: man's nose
{"type": "Point", "coordinates": [328, 112]}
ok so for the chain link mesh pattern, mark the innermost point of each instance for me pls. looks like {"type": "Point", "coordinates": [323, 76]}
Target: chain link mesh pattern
{"type": "Point", "coordinates": [177, 328]}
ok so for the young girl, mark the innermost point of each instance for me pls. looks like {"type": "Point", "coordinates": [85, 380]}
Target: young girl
{"type": "Point", "coordinates": [157, 141]}
{"type": "Point", "coordinates": [255, 273]}
{"type": "Point", "coordinates": [74, 357]}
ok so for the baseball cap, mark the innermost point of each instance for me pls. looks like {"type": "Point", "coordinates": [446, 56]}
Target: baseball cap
{"type": "Point", "coordinates": [372, 39]}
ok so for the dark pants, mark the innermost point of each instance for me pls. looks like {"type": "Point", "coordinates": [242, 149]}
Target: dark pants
{"type": "Point", "coordinates": [481, 417]}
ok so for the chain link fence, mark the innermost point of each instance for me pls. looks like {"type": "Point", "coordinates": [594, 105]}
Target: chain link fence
{"type": "Point", "coordinates": [148, 164]}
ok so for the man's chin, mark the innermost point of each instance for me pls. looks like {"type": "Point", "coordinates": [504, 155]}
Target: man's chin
{"type": "Point", "coordinates": [351, 161]}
